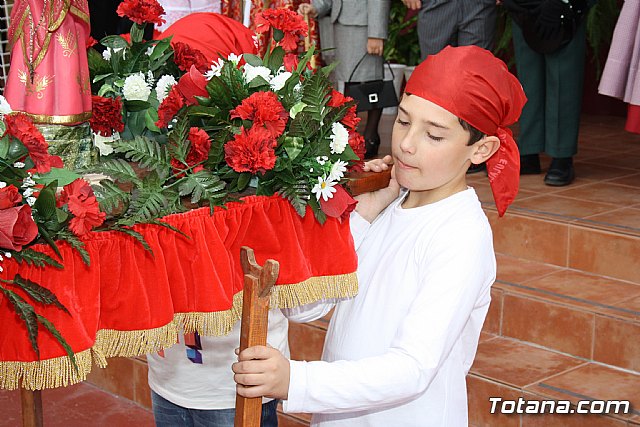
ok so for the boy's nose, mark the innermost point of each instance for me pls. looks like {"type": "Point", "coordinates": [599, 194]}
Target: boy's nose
{"type": "Point", "coordinates": [407, 143]}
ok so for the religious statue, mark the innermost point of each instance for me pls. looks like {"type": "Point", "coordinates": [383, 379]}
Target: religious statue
{"type": "Point", "coordinates": [49, 76]}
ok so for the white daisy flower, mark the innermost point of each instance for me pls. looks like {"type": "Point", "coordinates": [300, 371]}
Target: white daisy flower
{"type": "Point", "coordinates": [31, 201]}
{"type": "Point", "coordinates": [337, 170]}
{"type": "Point", "coordinates": [164, 85]}
{"type": "Point", "coordinates": [215, 70]}
{"type": "Point", "coordinates": [106, 54]}
{"type": "Point", "coordinates": [5, 108]}
{"type": "Point", "coordinates": [28, 192]}
{"type": "Point", "coordinates": [28, 182]}
{"type": "Point", "coordinates": [3, 184]}
{"type": "Point", "coordinates": [322, 160]}
{"type": "Point", "coordinates": [339, 138]}
{"type": "Point", "coordinates": [136, 88]}
{"type": "Point", "coordinates": [324, 188]}
{"type": "Point", "coordinates": [251, 72]}
{"type": "Point", "coordinates": [234, 58]}
{"type": "Point", "coordinates": [279, 81]}
{"type": "Point", "coordinates": [102, 143]}
{"type": "Point", "coordinates": [18, 165]}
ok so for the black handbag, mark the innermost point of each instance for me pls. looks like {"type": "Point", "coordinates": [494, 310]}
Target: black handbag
{"type": "Point", "coordinates": [373, 94]}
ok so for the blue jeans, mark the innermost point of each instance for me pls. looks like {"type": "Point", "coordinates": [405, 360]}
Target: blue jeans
{"type": "Point", "coordinates": [168, 414]}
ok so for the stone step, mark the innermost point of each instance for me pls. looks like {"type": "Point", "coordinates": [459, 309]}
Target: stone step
{"type": "Point", "coordinates": [511, 369]}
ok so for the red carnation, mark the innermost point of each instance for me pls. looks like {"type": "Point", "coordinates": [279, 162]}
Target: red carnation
{"type": "Point", "coordinates": [185, 56]}
{"type": "Point", "coordinates": [351, 119]}
{"type": "Point", "coordinates": [91, 42]}
{"type": "Point", "coordinates": [170, 107]}
{"type": "Point", "coordinates": [142, 11]}
{"type": "Point", "coordinates": [251, 151]}
{"type": "Point", "coordinates": [337, 99]}
{"type": "Point", "coordinates": [340, 205]}
{"type": "Point", "coordinates": [22, 128]}
{"type": "Point", "coordinates": [263, 108]}
{"type": "Point", "coordinates": [285, 20]}
{"type": "Point", "coordinates": [83, 205]}
{"type": "Point", "coordinates": [9, 197]}
{"type": "Point", "coordinates": [17, 227]}
{"type": "Point", "coordinates": [198, 151]}
{"type": "Point", "coordinates": [106, 115]}
{"type": "Point", "coordinates": [356, 142]}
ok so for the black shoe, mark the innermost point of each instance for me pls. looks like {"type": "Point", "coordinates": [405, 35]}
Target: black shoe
{"type": "Point", "coordinates": [371, 147]}
{"type": "Point", "coordinates": [476, 168]}
{"type": "Point", "coordinates": [560, 172]}
{"type": "Point", "coordinates": [530, 164]}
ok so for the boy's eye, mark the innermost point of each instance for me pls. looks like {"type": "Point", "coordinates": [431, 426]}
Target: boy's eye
{"type": "Point", "coordinates": [402, 122]}
{"type": "Point", "coordinates": [435, 138]}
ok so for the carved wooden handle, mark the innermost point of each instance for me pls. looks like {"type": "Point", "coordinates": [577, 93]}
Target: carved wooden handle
{"type": "Point", "coordinates": [364, 182]}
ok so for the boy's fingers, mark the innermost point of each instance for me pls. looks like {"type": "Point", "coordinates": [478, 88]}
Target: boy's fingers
{"type": "Point", "coordinates": [249, 379]}
{"type": "Point", "coordinates": [256, 352]}
{"type": "Point", "coordinates": [250, 391]}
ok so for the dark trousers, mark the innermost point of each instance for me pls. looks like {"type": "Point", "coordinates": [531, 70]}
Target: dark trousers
{"type": "Point", "coordinates": [553, 84]}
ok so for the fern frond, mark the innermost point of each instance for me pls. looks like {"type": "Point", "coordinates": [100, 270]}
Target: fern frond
{"type": "Point", "coordinates": [76, 244]}
{"type": "Point", "coordinates": [36, 258]}
{"type": "Point", "coordinates": [119, 169]}
{"type": "Point", "coordinates": [147, 152]}
{"type": "Point", "coordinates": [111, 197]}
{"type": "Point", "coordinates": [202, 185]}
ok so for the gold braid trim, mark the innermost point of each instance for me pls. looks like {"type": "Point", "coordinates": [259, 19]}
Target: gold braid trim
{"type": "Point", "coordinates": [19, 29]}
{"type": "Point", "coordinates": [58, 120]}
{"type": "Point", "coordinates": [50, 373]}
{"type": "Point", "coordinates": [314, 289]}
{"type": "Point", "coordinates": [212, 324]}
{"type": "Point", "coordinates": [54, 25]}
{"type": "Point", "coordinates": [80, 14]}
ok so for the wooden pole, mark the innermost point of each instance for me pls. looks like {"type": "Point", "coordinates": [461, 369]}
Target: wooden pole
{"type": "Point", "coordinates": [258, 282]}
{"type": "Point", "coordinates": [307, 41]}
{"type": "Point", "coordinates": [31, 407]}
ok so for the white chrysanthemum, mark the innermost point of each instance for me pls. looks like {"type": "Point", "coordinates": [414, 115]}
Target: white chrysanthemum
{"type": "Point", "coordinates": [251, 72]}
{"type": "Point", "coordinates": [324, 188]}
{"type": "Point", "coordinates": [279, 81]}
{"type": "Point", "coordinates": [339, 138]}
{"type": "Point", "coordinates": [28, 182]}
{"type": "Point", "coordinates": [106, 54]}
{"type": "Point", "coordinates": [215, 70]}
{"type": "Point", "coordinates": [28, 192]}
{"type": "Point", "coordinates": [234, 58]}
{"type": "Point", "coordinates": [102, 143]}
{"type": "Point", "coordinates": [5, 108]}
{"type": "Point", "coordinates": [337, 170]}
{"type": "Point", "coordinates": [31, 201]}
{"type": "Point", "coordinates": [135, 88]}
{"type": "Point", "coordinates": [163, 86]}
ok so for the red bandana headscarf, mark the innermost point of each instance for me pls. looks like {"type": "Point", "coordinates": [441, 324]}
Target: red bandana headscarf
{"type": "Point", "coordinates": [474, 85]}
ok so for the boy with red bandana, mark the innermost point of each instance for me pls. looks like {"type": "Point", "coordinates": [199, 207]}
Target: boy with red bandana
{"type": "Point", "coordinates": [398, 353]}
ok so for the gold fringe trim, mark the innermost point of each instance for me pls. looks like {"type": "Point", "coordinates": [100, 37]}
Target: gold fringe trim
{"type": "Point", "coordinates": [212, 324]}
{"type": "Point", "coordinates": [112, 343]}
{"type": "Point", "coordinates": [314, 289]}
{"type": "Point", "coordinates": [50, 373]}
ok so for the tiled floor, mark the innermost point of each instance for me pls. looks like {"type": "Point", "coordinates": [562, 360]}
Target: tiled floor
{"type": "Point", "coordinates": [577, 316]}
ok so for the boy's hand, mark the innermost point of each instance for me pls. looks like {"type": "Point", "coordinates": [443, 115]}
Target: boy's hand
{"type": "Point", "coordinates": [307, 8]}
{"type": "Point", "coordinates": [262, 371]}
{"type": "Point", "coordinates": [371, 204]}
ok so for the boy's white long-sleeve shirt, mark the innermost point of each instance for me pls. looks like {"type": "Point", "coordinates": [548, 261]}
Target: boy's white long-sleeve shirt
{"type": "Point", "coordinates": [397, 354]}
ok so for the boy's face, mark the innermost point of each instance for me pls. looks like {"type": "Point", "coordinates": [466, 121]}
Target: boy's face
{"type": "Point", "coordinates": [430, 151]}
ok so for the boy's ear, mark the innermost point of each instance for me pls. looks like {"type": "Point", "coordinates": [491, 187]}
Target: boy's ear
{"type": "Point", "coordinates": [484, 149]}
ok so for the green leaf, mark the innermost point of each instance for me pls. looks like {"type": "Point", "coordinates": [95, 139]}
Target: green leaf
{"type": "Point", "coordinates": [119, 169]}
{"type": "Point", "coordinates": [304, 125]}
{"type": "Point", "coordinates": [44, 233]}
{"type": "Point", "coordinates": [38, 293]}
{"type": "Point", "coordinates": [204, 111]}
{"type": "Point", "coordinates": [76, 244]}
{"type": "Point", "coordinates": [58, 336]}
{"type": "Point", "coordinates": [278, 34]}
{"type": "Point", "coordinates": [136, 105]}
{"type": "Point", "coordinates": [252, 59]}
{"type": "Point", "coordinates": [26, 312]}
{"type": "Point", "coordinates": [114, 42]}
{"type": "Point", "coordinates": [45, 204]}
{"type": "Point", "coordinates": [243, 180]}
{"type": "Point", "coordinates": [150, 119]}
{"type": "Point", "coordinates": [160, 48]}
{"type": "Point", "coordinates": [16, 150]}
{"type": "Point", "coordinates": [32, 257]}
{"type": "Point", "coordinates": [257, 82]}
{"type": "Point", "coordinates": [60, 175]}
{"type": "Point", "coordinates": [276, 59]}
{"type": "Point", "coordinates": [137, 33]}
{"type": "Point", "coordinates": [139, 237]}
{"type": "Point", "coordinates": [147, 152]}
{"type": "Point", "coordinates": [202, 185]}
{"type": "Point", "coordinates": [111, 197]}
{"type": "Point", "coordinates": [293, 146]}
{"type": "Point", "coordinates": [4, 141]}
{"type": "Point", "coordinates": [148, 204]}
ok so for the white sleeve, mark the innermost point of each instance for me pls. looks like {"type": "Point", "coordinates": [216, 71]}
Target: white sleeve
{"type": "Point", "coordinates": [359, 227]}
{"type": "Point", "coordinates": [456, 279]}
{"type": "Point", "coordinates": [309, 312]}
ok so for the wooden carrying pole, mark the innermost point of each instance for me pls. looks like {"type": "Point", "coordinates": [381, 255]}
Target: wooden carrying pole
{"type": "Point", "coordinates": [258, 282]}
{"type": "Point", "coordinates": [31, 407]}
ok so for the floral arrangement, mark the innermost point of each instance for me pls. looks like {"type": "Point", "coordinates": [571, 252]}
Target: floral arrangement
{"type": "Point", "coordinates": [32, 208]}
{"type": "Point", "coordinates": [270, 123]}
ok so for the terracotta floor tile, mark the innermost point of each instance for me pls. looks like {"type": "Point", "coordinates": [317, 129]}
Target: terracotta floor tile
{"type": "Point", "coordinates": [570, 420]}
{"type": "Point", "coordinates": [625, 219]}
{"type": "Point", "coordinates": [604, 192]}
{"type": "Point", "coordinates": [535, 183]}
{"type": "Point", "coordinates": [562, 208]}
{"type": "Point", "coordinates": [479, 392]}
{"type": "Point", "coordinates": [628, 309]}
{"type": "Point", "coordinates": [486, 336]}
{"type": "Point", "coordinates": [592, 382]}
{"type": "Point", "coordinates": [586, 153]}
{"type": "Point", "coordinates": [574, 288]}
{"type": "Point", "coordinates": [635, 420]}
{"type": "Point", "coordinates": [516, 364]}
{"type": "Point", "coordinates": [629, 161]}
{"type": "Point", "coordinates": [592, 171]}
{"type": "Point", "coordinates": [551, 325]}
{"type": "Point", "coordinates": [603, 252]}
{"type": "Point", "coordinates": [494, 315]}
{"type": "Point", "coordinates": [617, 343]}
{"type": "Point", "coordinates": [632, 180]}
{"type": "Point", "coordinates": [519, 270]}
{"type": "Point", "coordinates": [530, 238]}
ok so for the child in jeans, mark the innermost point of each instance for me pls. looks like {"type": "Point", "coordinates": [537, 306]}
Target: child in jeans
{"type": "Point", "coordinates": [397, 354]}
